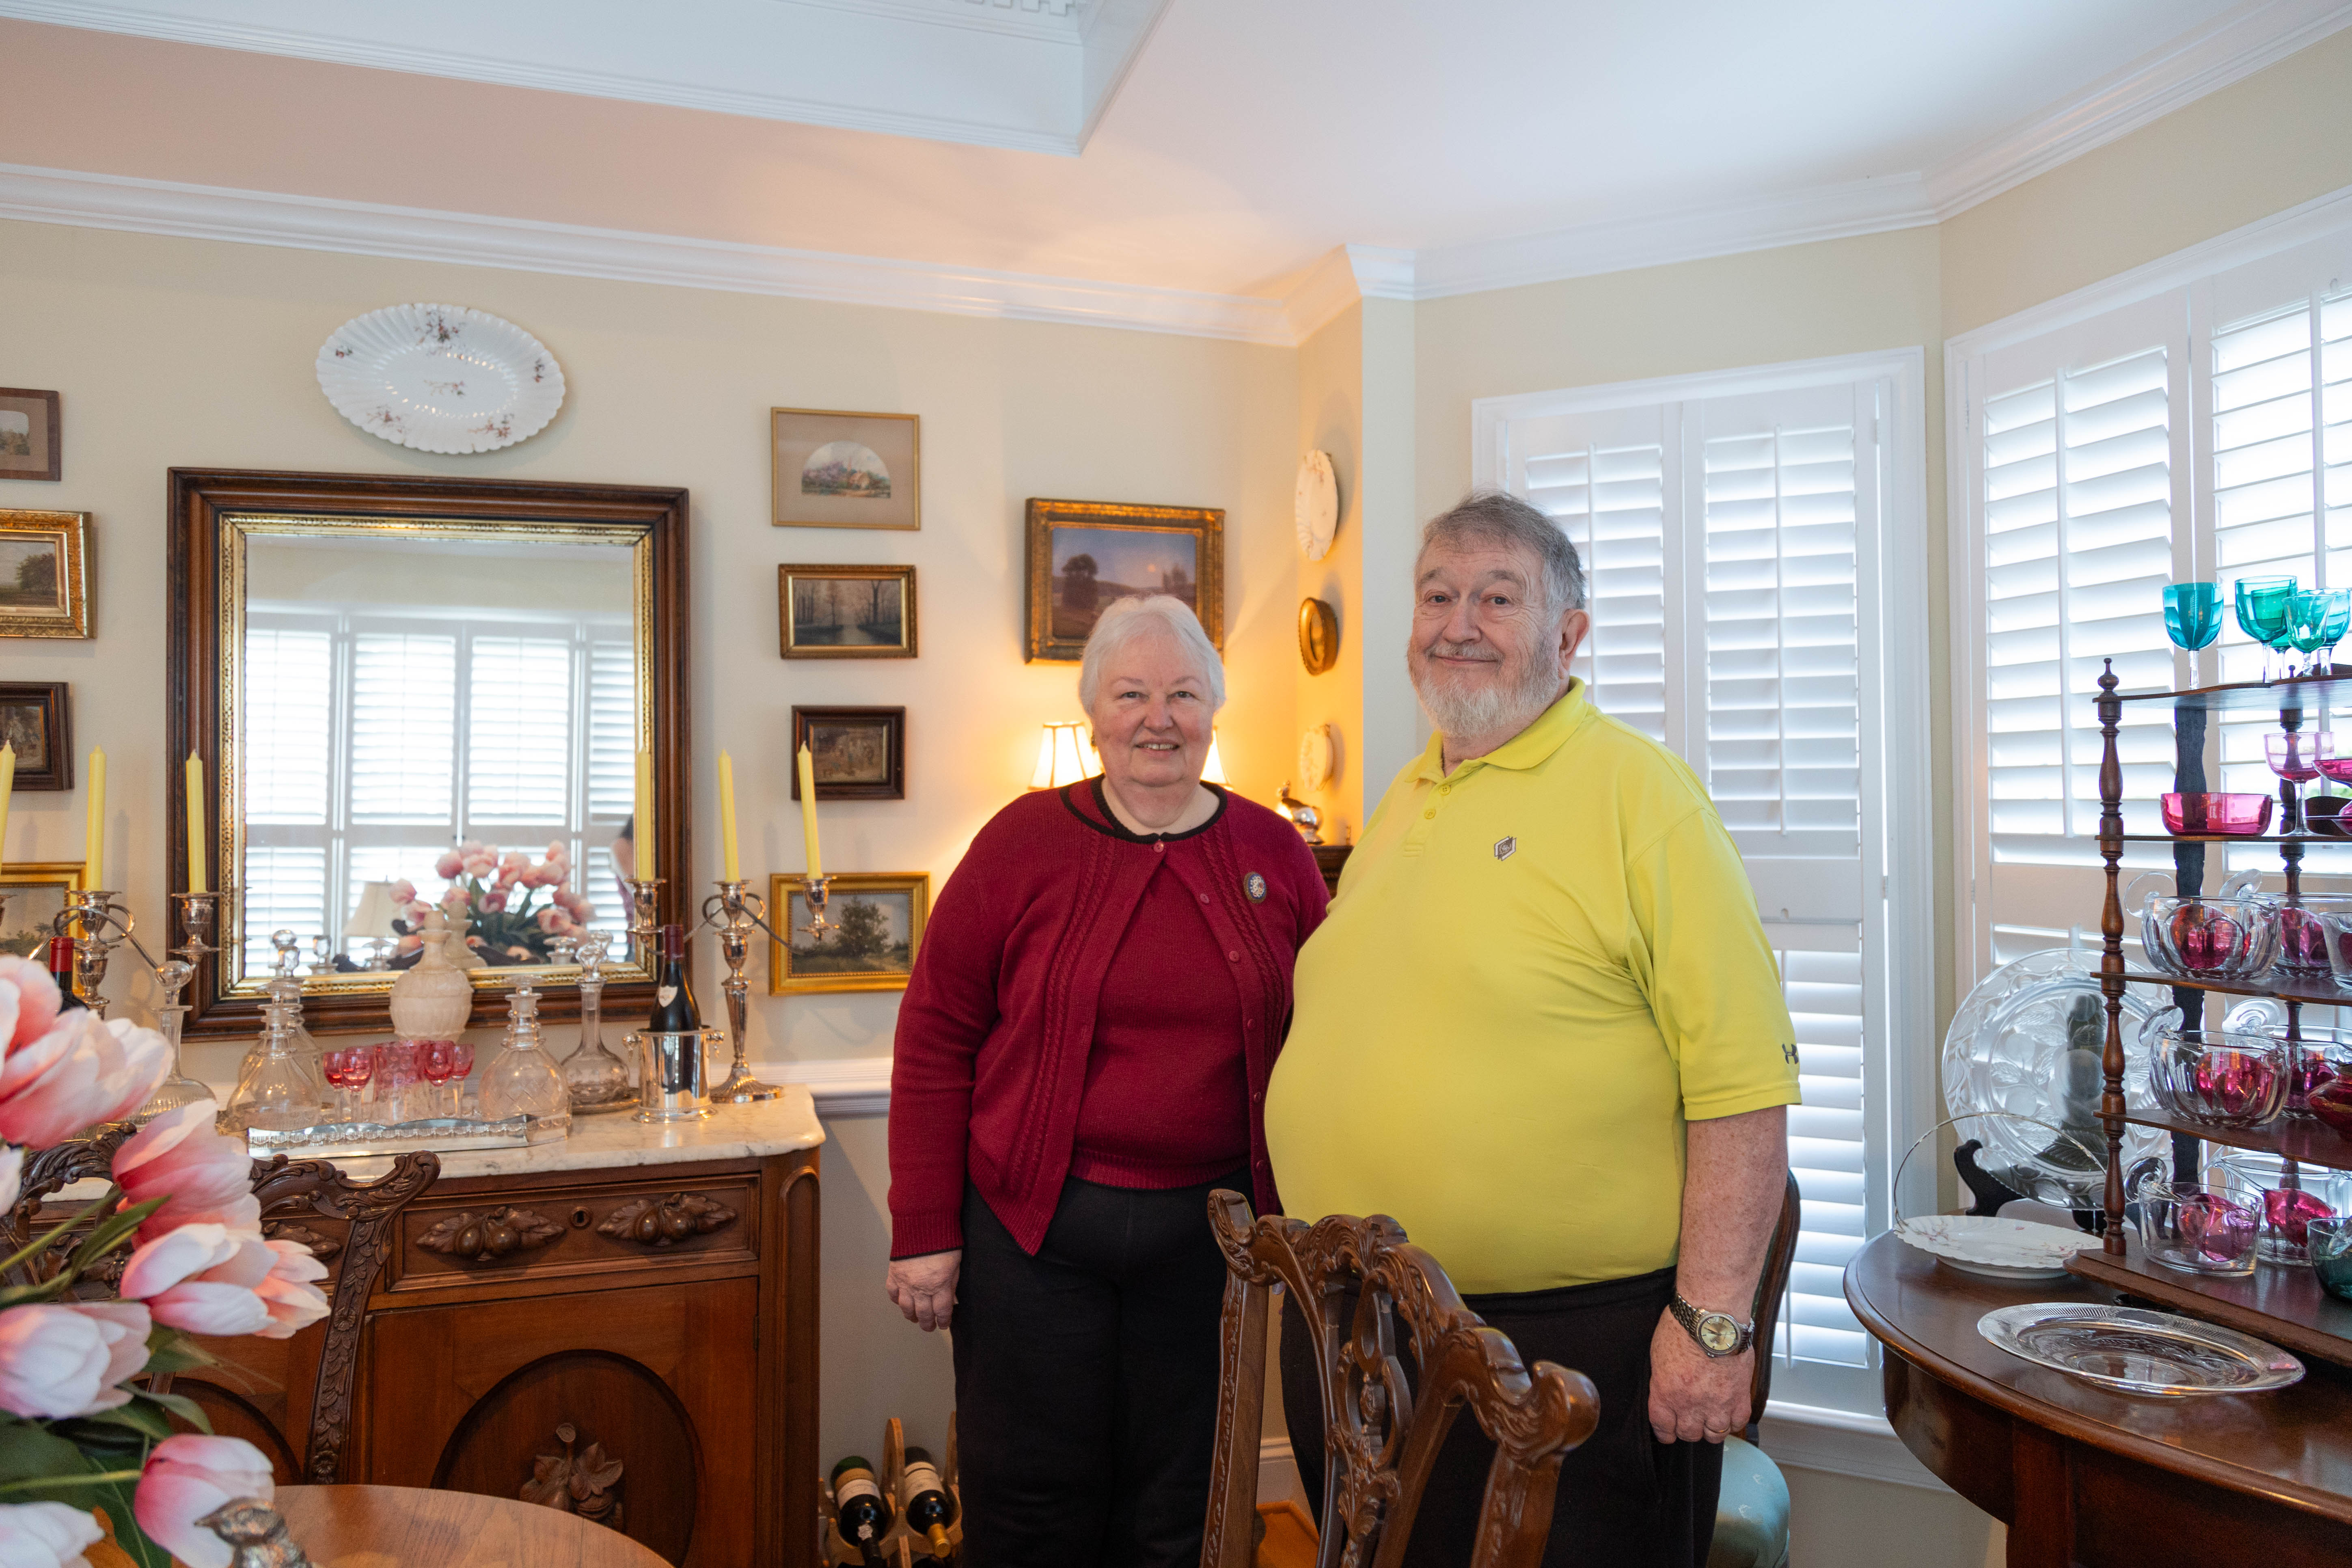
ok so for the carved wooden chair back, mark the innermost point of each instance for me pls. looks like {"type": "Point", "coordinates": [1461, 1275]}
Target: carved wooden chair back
{"type": "Point", "coordinates": [1383, 1425]}
{"type": "Point", "coordinates": [1771, 1290]}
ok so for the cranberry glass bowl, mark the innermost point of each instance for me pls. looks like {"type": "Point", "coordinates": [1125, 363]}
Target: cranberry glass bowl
{"type": "Point", "coordinates": [2233, 814]}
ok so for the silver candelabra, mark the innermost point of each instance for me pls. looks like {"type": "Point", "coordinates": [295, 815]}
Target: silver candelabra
{"type": "Point", "coordinates": [735, 912]}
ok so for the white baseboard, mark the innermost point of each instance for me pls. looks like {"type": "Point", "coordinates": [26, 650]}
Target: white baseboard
{"type": "Point", "coordinates": [1810, 1437]}
{"type": "Point", "coordinates": [1277, 1477]}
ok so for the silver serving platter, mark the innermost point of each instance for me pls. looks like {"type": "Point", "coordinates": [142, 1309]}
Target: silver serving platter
{"type": "Point", "coordinates": [442, 1134]}
{"type": "Point", "coordinates": [2134, 1351]}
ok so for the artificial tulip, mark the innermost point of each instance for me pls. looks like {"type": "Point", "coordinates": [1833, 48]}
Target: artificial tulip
{"type": "Point", "coordinates": [47, 1535]}
{"type": "Point", "coordinates": [292, 1291]}
{"type": "Point", "coordinates": [28, 1000]}
{"type": "Point", "coordinates": [55, 1362]}
{"type": "Point", "coordinates": [12, 1176]}
{"type": "Point", "coordinates": [202, 1175]}
{"type": "Point", "coordinates": [125, 1326]}
{"type": "Point", "coordinates": [189, 1477]}
{"type": "Point", "coordinates": [82, 1071]}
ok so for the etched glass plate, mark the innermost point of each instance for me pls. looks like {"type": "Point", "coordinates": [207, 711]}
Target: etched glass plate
{"type": "Point", "coordinates": [440, 378]}
{"type": "Point", "coordinates": [2015, 1046]}
{"type": "Point", "coordinates": [2139, 1351]}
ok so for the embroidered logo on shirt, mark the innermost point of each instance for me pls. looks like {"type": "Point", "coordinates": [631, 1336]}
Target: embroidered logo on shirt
{"type": "Point", "coordinates": [1789, 1052]}
{"type": "Point", "coordinates": [1255, 886]}
{"type": "Point", "coordinates": [1504, 847]}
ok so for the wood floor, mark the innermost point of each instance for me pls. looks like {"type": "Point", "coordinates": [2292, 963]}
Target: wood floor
{"type": "Point", "coordinates": [1290, 1538]}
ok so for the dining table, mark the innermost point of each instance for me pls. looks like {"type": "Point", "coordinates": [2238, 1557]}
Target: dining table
{"type": "Point", "coordinates": [414, 1527]}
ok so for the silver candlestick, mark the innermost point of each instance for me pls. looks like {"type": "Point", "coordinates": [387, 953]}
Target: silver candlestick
{"type": "Point", "coordinates": [644, 895]}
{"type": "Point", "coordinates": [87, 919]}
{"type": "Point", "coordinates": [735, 913]}
{"type": "Point", "coordinates": [816, 891]}
{"type": "Point", "coordinates": [196, 913]}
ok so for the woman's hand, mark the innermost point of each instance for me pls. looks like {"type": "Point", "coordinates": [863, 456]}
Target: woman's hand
{"type": "Point", "coordinates": [924, 1287]}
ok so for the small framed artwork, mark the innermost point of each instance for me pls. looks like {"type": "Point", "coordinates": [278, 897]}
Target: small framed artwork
{"type": "Point", "coordinates": [35, 719]}
{"type": "Point", "coordinates": [846, 471]}
{"type": "Point", "coordinates": [44, 573]}
{"type": "Point", "coordinates": [855, 753]}
{"type": "Point", "coordinates": [1084, 555]}
{"type": "Point", "coordinates": [846, 612]}
{"type": "Point", "coordinates": [31, 438]}
{"type": "Point", "coordinates": [31, 898]}
{"type": "Point", "coordinates": [874, 928]}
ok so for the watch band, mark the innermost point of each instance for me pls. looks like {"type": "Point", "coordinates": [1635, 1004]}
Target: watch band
{"type": "Point", "coordinates": [1696, 1323]}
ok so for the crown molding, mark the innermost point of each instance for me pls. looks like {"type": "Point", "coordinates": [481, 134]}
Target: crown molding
{"type": "Point", "coordinates": [468, 240]}
{"type": "Point", "coordinates": [1345, 274]}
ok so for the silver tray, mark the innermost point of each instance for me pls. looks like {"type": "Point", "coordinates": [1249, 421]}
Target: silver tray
{"type": "Point", "coordinates": [442, 1134]}
{"type": "Point", "coordinates": [2134, 1351]}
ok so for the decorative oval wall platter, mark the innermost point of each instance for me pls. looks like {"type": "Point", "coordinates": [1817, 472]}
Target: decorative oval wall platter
{"type": "Point", "coordinates": [440, 378]}
{"type": "Point", "coordinates": [1316, 506]}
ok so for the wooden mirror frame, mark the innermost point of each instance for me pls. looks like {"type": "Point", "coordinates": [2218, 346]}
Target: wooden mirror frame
{"type": "Point", "coordinates": [194, 657]}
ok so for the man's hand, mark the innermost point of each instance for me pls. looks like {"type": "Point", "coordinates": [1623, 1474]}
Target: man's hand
{"type": "Point", "coordinates": [925, 1287]}
{"type": "Point", "coordinates": [1692, 1397]}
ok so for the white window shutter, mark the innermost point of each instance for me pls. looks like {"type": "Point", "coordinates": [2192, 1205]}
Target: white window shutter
{"type": "Point", "coordinates": [404, 727]}
{"type": "Point", "coordinates": [612, 730]}
{"type": "Point", "coordinates": [285, 887]}
{"type": "Point", "coordinates": [519, 732]}
{"type": "Point", "coordinates": [288, 688]}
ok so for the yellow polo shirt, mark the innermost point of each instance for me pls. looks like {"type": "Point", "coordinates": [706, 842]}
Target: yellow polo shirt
{"type": "Point", "coordinates": [1537, 968]}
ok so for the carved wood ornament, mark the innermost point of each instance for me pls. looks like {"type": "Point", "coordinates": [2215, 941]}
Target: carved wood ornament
{"type": "Point", "coordinates": [668, 1220]}
{"type": "Point", "coordinates": [489, 1235]}
{"type": "Point", "coordinates": [586, 1483]}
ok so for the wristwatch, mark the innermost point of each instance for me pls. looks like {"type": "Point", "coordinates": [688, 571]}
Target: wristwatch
{"type": "Point", "coordinates": [1719, 1333]}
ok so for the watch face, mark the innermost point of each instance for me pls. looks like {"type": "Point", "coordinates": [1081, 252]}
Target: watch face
{"type": "Point", "coordinates": [1717, 1333]}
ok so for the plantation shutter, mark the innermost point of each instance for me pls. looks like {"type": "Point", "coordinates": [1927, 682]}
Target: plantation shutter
{"type": "Point", "coordinates": [1730, 544]}
{"type": "Point", "coordinates": [612, 728]}
{"type": "Point", "coordinates": [518, 731]}
{"type": "Point", "coordinates": [404, 727]}
{"type": "Point", "coordinates": [288, 739]}
{"type": "Point", "coordinates": [285, 887]}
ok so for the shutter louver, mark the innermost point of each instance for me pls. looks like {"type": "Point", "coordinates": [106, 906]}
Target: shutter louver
{"type": "Point", "coordinates": [1611, 503]}
{"type": "Point", "coordinates": [517, 742]}
{"type": "Point", "coordinates": [404, 727]}
{"type": "Point", "coordinates": [1826, 1149]}
{"type": "Point", "coordinates": [285, 887]}
{"type": "Point", "coordinates": [612, 730]}
{"type": "Point", "coordinates": [289, 738]}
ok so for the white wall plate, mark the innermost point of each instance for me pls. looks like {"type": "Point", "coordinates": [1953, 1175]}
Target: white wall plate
{"type": "Point", "coordinates": [440, 378]}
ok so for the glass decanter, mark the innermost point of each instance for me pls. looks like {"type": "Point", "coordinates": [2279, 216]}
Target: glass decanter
{"type": "Point", "coordinates": [523, 1080]}
{"type": "Point", "coordinates": [280, 1089]}
{"type": "Point", "coordinates": [594, 1078]}
{"type": "Point", "coordinates": [179, 1089]}
{"type": "Point", "coordinates": [285, 990]}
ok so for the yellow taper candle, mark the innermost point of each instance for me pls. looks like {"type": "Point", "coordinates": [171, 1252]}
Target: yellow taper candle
{"type": "Point", "coordinates": [808, 810]}
{"type": "Point", "coordinates": [197, 825]}
{"type": "Point", "coordinates": [93, 837]}
{"type": "Point", "coordinates": [641, 835]}
{"type": "Point", "coordinates": [7, 787]}
{"type": "Point", "coordinates": [732, 867]}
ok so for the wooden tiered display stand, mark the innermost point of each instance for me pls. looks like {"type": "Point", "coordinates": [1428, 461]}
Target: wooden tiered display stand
{"type": "Point", "coordinates": [2282, 1305]}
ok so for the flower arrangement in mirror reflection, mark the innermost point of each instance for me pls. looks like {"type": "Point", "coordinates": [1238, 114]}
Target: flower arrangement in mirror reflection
{"type": "Point", "coordinates": [180, 1223]}
{"type": "Point", "coordinates": [498, 895]}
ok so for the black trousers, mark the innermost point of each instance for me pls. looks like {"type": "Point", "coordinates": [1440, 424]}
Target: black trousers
{"type": "Point", "coordinates": [1626, 1500]}
{"type": "Point", "coordinates": [1086, 1379]}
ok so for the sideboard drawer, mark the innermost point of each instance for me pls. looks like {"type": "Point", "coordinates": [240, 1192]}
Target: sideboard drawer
{"type": "Point", "coordinates": [624, 1226]}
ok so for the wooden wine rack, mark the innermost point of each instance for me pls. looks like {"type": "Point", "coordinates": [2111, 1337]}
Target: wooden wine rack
{"type": "Point", "coordinates": [901, 1546]}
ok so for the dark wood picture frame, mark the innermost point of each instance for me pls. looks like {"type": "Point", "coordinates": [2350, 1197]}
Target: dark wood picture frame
{"type": "Point", "coordinates": [1204, 525]}
{"type": "Point", "coordinates": [892, 722]}
{"type": "Point", "coordinates": [200, 498]}
{"type": "Point", "coordinates": [55, 700]}
{"type": "Point", "coordinates": [53, 467]}
{"type": "Point", "coordinates": [787, 624]}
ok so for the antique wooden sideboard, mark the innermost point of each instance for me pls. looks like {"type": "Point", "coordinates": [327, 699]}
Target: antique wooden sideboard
{"type": "Point", "coordinates": [648, 1292]}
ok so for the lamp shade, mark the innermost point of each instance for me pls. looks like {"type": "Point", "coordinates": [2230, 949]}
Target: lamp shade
{"type": "Point", "coordinates": [1064, 757]}
{"type": "Point", "coordinates": [373, 916]}
{"type": "Point", "coordinates": [1213, 770]}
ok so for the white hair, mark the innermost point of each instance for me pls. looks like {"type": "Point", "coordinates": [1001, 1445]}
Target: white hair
{"type": "Point", "coordinates": [1123, 620]}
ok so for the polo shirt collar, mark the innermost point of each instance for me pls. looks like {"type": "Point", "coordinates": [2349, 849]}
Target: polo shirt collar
{"type": "Point", "coordinates": [1530, 748]}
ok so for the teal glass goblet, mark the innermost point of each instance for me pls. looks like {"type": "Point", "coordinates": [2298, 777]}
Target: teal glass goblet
{"type": "Point", "coordinates": [2263, 605]}
{"type": "Point", "coordinates": [2193, 614]}
{"type": "Point", "coordinates": [2331, 632]}
{"type": "Point", "coordinates": [2306, 625]}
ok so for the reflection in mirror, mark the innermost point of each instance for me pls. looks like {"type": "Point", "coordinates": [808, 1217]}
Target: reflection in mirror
{"type": "Point", "coordinates": [425, 721]}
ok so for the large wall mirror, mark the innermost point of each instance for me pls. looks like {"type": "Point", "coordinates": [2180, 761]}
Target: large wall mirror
{"type": "Point", "coordinates": [413, 693]}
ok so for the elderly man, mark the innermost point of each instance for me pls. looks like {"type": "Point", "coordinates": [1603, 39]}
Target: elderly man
{"type": "Point", "coordinates": [1543, 1029]}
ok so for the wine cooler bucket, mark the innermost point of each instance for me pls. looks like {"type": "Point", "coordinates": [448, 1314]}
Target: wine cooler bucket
{"type": "Point", "coordinates": [673, 1072]}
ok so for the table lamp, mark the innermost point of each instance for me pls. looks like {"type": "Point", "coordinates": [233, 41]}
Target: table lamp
{"type": "Point", "coordinates": [372, 921]}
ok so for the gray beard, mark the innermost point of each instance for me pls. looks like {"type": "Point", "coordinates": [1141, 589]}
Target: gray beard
{"type": "Point", "coordinates": [1506, 708]}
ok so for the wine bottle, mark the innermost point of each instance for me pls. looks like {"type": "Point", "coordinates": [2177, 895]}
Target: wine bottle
{"type": "Point", "coordinates": [859, 1512]}
{"type": "Point", "coordinates": [924, 1503]}
{"type": "Point", "coordinates": [62, 969]}
{"type": "Point", "coordinates": [674, 1009]}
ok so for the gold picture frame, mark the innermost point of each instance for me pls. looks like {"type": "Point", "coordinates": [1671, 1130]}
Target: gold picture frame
{"type": "Point", "coordinates": [886, 952]}
{"type": "Point", "coordinates": [25, 925]}
{"type": "Point", "coordinates": [812, 601]}
{"type": "Point", "coordinates": [836, 468]}
{"type": "Point", "coordinates": [1176, 550]}
{"type": "Point", "coordinates": [44, 573]}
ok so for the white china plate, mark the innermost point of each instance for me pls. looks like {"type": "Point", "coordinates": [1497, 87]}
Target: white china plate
{"type": "Point", "coordinates": [2134, 1351]}
{"type": "Point", "coordinates": [1315, 508]}
{"type": "Point", "coordinates": [440, 378]}
{"type": "Point", "coordinates": [1994, 1248]}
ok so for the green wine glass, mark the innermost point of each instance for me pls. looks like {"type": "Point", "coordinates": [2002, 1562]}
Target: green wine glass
{"type": "Point", "coordinates": [2338, 622]}
{"type": "Point", "coordinates": [2306, 624]}
{"type": "Point", "coordinates": [2193, 614]}
{"type": "Point", "coordinates": [2263, 604]}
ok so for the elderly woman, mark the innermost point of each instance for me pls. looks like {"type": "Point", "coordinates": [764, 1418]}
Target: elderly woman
{"type": "Point", "coordinates": [1082, 1055]}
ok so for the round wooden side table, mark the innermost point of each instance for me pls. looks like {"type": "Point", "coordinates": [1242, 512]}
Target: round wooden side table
{"type": "Point", "coordinates": [410, 1527]}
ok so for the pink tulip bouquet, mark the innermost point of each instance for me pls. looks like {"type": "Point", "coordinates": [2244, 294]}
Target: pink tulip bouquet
{"type": "Point", "coordinates": [77, 1431]}
{"type": "Point", "coordinates": [499, 895]}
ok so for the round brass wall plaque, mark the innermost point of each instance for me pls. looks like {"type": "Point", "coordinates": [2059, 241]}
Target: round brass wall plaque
{"type": "Point", "coordinates": [1319, 636]}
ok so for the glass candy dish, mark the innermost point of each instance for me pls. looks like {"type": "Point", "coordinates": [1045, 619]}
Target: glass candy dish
{"type": "Point", "coordinates": [2249, 815]}
{"type": "Point", "coordinates": [2213, 938]}
{"type": "Point", "coordinates": [2224, 1077]}
{"type": "Point", "coordinates": [2304, 946]}
{"type": "Point", "coordinates": [2197, 1228]}
{"type": "Point", "coordinates": [2329, 1242]}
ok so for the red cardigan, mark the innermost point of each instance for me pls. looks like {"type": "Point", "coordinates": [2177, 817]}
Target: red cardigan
{"type": "Point", "coordinates": [1000, 1013]}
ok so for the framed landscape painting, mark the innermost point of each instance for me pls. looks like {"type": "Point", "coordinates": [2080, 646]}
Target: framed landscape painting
{"type": "Point", "coordinates": [1084, 555]}
{"type": "Point", "coordinates": [846, 471]}
{"type": "Point", "coordinates": [44, 573]}
{"type": "Point", "coordinates": [30, 438]}
{"type": "Point", "coordinates": [855, 753]}
{"type": "Point", "coordinates": [35, 721]}
{"type": "Point", "coordinates": [846, 612]}
{"type": "Point", "coordinates": [875, 922]}
{"type": "Point", "coordinates": [31, 899]}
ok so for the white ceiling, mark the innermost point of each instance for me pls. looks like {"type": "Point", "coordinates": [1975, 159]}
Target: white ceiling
{"type": "Point", "coordinates": [1499, 141]}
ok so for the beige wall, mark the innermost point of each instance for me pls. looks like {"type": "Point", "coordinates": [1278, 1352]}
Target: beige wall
{"type": "Point", "coordinates": [1331, 419]}
{"type": "Point", "coordinates": [190, 353]}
